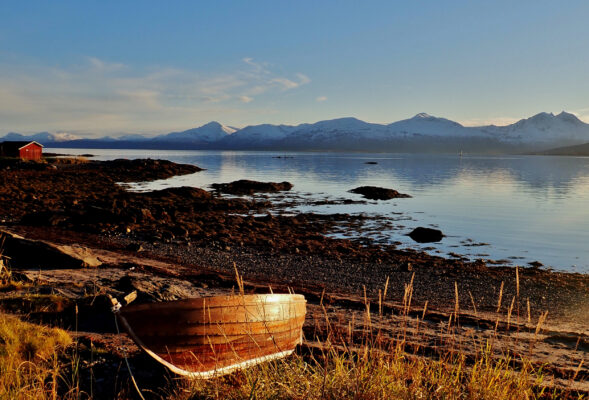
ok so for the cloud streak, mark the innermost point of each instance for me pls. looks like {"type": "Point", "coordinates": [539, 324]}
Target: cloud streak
{"type": "Point", "coordinates": [582, 114]}
{"type": "Point", "coordinates": [105, 97]}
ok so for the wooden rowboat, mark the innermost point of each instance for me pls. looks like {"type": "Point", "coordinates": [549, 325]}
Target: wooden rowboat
{"type": "Point", "coordinates": [212, 336]}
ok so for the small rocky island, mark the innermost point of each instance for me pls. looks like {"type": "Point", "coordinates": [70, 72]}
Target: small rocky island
{"type": "Point", "coordinates": [378, 193]}
{"type": "Point", "coordinates": [245, 187]}
{"type": "Point", "coordinates": [426, 235]}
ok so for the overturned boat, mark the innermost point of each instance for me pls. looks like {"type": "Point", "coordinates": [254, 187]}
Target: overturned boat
{"type": "Point", "coordinates": [211, 336]}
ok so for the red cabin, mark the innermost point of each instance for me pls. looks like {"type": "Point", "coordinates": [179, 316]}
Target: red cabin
{"type": "Point", "coordinates": [23, 150]}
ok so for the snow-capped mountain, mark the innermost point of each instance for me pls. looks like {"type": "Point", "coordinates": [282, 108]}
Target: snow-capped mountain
{"type": "Point", "coordinates": [425, 132]}
{"type": "Point", "coordinates": [258, 135]}
{"type": "Point", "coordinates": [421, 133]}
{"type": "Point", "coordinates": [330, 129]}
{"type": "Point", "coordinates": [42, 137]}
{"type": "Point", "coordinates": [324, 132]}
{"type": "Point", "coordinates": [543, 129]}
{"type": "Point", "coordinates": [341, 133]}
{"type": "Point", "coordinates": [208, 133]}
{"type": "Point", "coordinates": [348, 124]}
{"type": "Point", "coordinates": [64, 136]}
{"type": "Point", "coordinates": [134, 137]}
{"type": "Point", "coordinates": [425, 124]}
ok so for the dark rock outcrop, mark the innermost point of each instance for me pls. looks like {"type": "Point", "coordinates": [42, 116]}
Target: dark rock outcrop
{"type": "Point", "coordinates": [25, 253]}
{"type": "Point", "coordinates": [378, 193]}
{"type": "Point", "coordinates": [536, 264]}
{"type": "Point", "coordinates": [426, 235]}
{"type": "Point", "coordinates": [245, 186]}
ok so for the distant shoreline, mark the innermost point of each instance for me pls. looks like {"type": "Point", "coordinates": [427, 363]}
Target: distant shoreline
{"type": "Point", "coordinates": [581, 150]}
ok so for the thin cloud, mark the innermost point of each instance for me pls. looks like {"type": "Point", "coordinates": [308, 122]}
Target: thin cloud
{"type": "Point", "coordinates": [584, 117]}
{"type": "Point", "coordinates": [287, 84]}
{"type": "Point", "coordinates": [105, 97]}
{"type": "Point", "coordinates": [321, 98]}
{"type": "Point", "coordinates": [149, 98]}
{"type": "Point", "coordinates": [303, 79]}
{"type": "Point", "coordinates": [499, 121]}
{"type": "Point", "coordinates": [257, 67]}
{"type": "Point", "coordinates": [104, 66]}
{"type": "Point", "coordinates": [582, 114]}
{"type": "Point", "coordinates": [580, 111]}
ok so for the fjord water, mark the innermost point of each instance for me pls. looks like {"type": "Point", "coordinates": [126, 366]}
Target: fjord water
{"type": "Point", "coordinates": [515, 208]}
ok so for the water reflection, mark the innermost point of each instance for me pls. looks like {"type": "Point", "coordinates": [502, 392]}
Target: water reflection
{"type": "Point", "coordinates": [523, 206]}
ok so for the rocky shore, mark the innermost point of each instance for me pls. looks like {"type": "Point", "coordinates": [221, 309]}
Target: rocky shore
{"type": "Point", "coordinates": [183, 242]}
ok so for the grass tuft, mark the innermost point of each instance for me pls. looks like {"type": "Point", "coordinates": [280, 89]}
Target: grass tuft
{"type": "Point", "coordinates": [29, 353]}
{"type": "Point", "coordinates": [370, 373]}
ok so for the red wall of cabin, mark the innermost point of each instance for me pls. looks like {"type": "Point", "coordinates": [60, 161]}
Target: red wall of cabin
{"type": "Point", "coordinates": [31, 152]}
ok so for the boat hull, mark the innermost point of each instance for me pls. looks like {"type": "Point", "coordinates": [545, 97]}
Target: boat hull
{"type": "Point", "coordinates": [212, 336]}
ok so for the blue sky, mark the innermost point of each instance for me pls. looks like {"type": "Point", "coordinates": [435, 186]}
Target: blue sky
{"type": "Point", "coordinates": [108, 67]}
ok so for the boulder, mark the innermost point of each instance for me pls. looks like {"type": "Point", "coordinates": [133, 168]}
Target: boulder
{"type": "Point", "coordinates": [245, 186]}
{"type": "Point", "coordinates": [25, 253]}
{"type": "Point", "coordinates": [426, 235]}
{"type": "Point", "coordinates": [536, 264]}
{"type": "Point", "coordinates": [378, 193]}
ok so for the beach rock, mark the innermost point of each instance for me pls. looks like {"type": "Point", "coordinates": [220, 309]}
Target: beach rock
{"type": "Point", "coordinates": [185, 192]}
{"type": "Point", "coordinates": [80, 255]}
{"type": "Point", "coordinates": [426, 235]}
{"type": "Point", "coordinates": [245, 186]}
{"type": "Point", "coordinates": [142, 169]}
{"type": "Point", "coordinates": [26, 253]}
{"type": "Point", "coordinates": [136, 247]}
{"type": "Point", "coordinates": [536, 264]}
{"type": "Point", "coordinates": [378, 193]}
{"type": "Point", "coordinates": [406, 267]}
{"type": "Point", "coordinates": [44, 218]}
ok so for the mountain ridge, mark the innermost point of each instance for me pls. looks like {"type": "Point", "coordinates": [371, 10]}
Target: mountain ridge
{"type": "Point", "coordinates": [422, 132]}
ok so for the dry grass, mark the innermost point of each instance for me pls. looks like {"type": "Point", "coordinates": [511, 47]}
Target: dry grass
{"type": "Point", "coordinates": [5, 272]}
{"type": "Point", "coordinates": [340, 364]}
{"type": "Point", "coordinates": [369, 373]}
{"type": "Point", "coordinates": [67, 160]}
{"type": "Point", "coordinates": [29, 366]}
{"type": "Point", "coordinates": [331, 367]}
{"type": "Point", "coordinates": [357, 361]}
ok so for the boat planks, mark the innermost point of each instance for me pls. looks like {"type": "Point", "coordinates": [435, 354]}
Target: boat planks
{"type": "Point", "coordinates": [212, 336]}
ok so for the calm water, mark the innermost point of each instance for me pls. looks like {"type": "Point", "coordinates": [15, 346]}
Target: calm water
{"type": "Point", "coordinates": [519, 208]}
